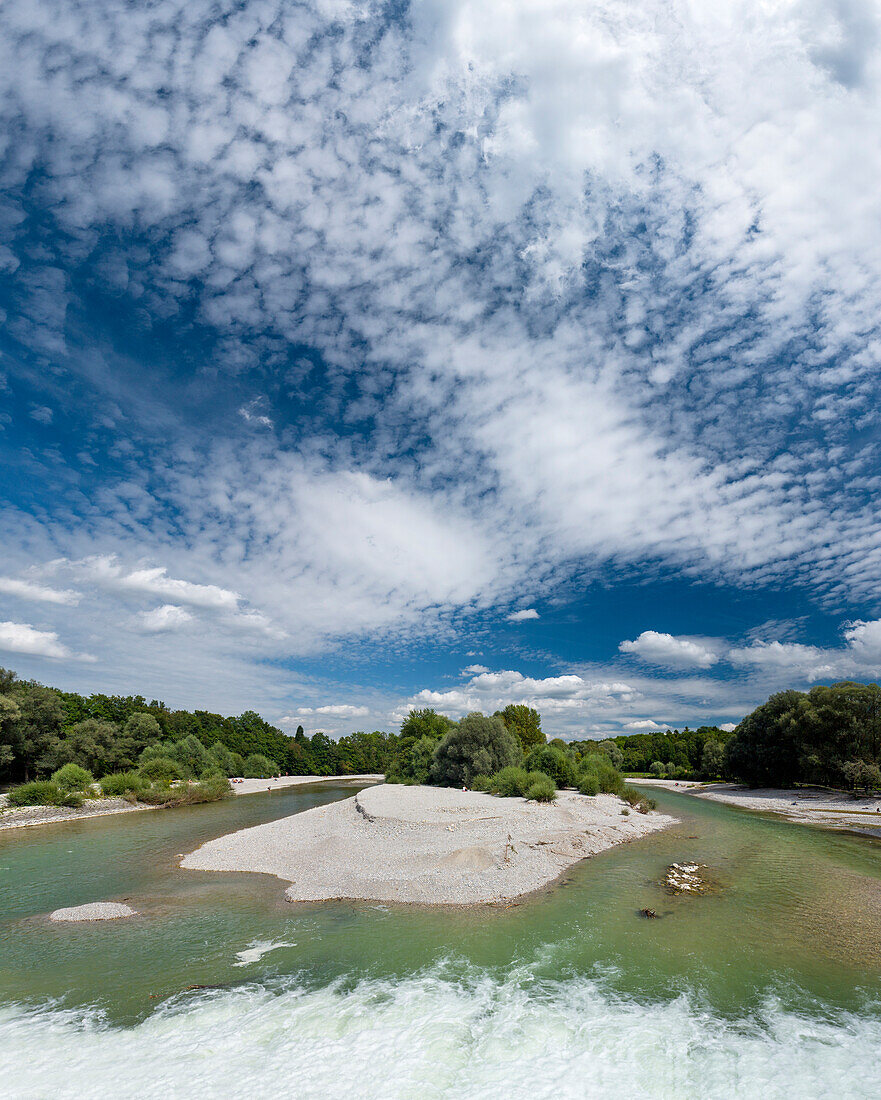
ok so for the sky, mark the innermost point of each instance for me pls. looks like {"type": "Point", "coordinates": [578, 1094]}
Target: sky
{"type": "Point", "coordinates": [357, 356]}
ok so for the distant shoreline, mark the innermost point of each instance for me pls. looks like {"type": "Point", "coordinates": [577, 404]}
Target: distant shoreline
{"type": "Point", "coordinates": [804, 805]}
{"type": "Point", "coordinates": [28, 816]}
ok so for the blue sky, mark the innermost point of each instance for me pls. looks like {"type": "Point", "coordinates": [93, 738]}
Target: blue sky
{"type": "Point", "coordinates": [357, 356]}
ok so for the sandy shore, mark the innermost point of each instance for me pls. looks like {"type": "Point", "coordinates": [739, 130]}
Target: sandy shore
{"type": "Point", "coordinates": [812, 806]}
{"type": "Point", "coordinates": [427, 845]}
{"type": "Point", "coordinates": [21, 816]}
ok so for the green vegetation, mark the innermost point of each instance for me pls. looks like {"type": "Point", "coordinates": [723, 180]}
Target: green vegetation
{"type": "Point", "coordinates": [682, 754]}
{"type": "Point", "coordinates": [40, 792]}
{"type": "Point", "coordinates": [259, 767]}
{"type": "Point", "coordinates": [829, 736]}
{"type": "Point", "coordinates": [122, 783]}
{"type": "Point", "coordinates": [479, 745]}
{"type": "Point", "coordinates": [541, 788]}
{"type": "Point", "coordinates": [71, 777]}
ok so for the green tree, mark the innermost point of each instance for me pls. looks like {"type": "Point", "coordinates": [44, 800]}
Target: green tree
{"type": "Point", "coordinates": [479, 745]}
{"type": "Point", "coordinates": [524, 722]}
{"type": "Point", "coordinates": [712, 759]}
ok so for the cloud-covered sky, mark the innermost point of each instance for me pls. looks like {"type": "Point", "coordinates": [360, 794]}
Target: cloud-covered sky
{"type": "Point", "coordinates": [354, 355]}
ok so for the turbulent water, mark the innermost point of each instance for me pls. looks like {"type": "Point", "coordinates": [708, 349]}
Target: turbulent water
{"type": "Point", "coordinates": [759, 990]}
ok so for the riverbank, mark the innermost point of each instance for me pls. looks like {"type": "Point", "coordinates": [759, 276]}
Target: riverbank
{"type": "Point", "coordinates": [427, 845]}
{"type": "Point", "coordinates": [807, 806]}
{"type": "Point", "coordinates": [20, 817]}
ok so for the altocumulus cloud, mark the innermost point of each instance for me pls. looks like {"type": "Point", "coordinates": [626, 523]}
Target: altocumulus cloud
{"type": "Point", "coordinates": [571, 273]}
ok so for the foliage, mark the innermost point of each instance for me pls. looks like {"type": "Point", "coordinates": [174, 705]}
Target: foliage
{"type": "Point", "coordinates": [189, 794]}
{"type": "Point", "coordinates": [72, 799]}
{"type": "Point", "coordinates": [541, 788]}
{"type": "Point", "coordinates": [479, 745]}
{"type": "Point", "coordinates": [119, 783]}
{"type": "Point", "coordinates": [524, 722]}
{"type": "Point", "coordinates": [554, 762]}
{"type": "Point", "coordinates": [41, 792]}
{"type": "Point", "coordinates": [636, 799]}
{"type": "Point", "coordinates": [161, 768]}
{"type": "Point", "coordinates": [614, 753]}
{"type": "Point", "coordinates": [509, 782]}
{"type": "Point", "coordinates": [589, 783]}
{"type": "Point", "coordinates": [712, 759]}
{"type": "Point", "coordinates": [71, 777]}
{"type": "Point", "coordinates": [606, 778]}
{"type": "Point", "coordinates": [481, 783]}
{"type": "Point", "coordinates": [259, 767]}
{"type": "Point", "coordinates": [829, 735]}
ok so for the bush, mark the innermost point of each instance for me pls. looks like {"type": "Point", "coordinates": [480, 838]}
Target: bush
{"type": "Point", "coordinates": [120, 783]}
{"type": "Point", "coordinates": [72, 799]}
{"type": "Point", "coordinates": [609, 779]}
{"type": "Point", "coordinates": [481, 783]}
{"type": "Point", "coordinates": [73, 778]}
{"type": "Point", "coordinates": [161, 768]}
{"type": "Point", "coordinates": [43, 792]}
{"type": "Point", "coordinates": [259, 767]}
{"type": "Point", "coordinates": [637, 799]}
{"type": "Point", "coordinates": [551, 761]}
{"type": "Point", "coordinates": [190, 794]}
{"type": "Point", "coordinates": [509, 782]}
{"type": "Point", "coordinates": [589, 783]}
{"type": "Point", "coordinates": [477, 746]}
{"type": "Point", "coordinates": [541, 789]}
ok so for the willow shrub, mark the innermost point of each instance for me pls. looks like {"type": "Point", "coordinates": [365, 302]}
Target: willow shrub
{"type": "Point", "coordinates": [541, 788]}
{"type": "Point", "coordinates": [42, 792]}
{"type": "Point", "coordinates": [72, 777]}
{"type": "Point", "coordinates": [510, 782]}
{"type": "Point", "coordinates": [120, 783]}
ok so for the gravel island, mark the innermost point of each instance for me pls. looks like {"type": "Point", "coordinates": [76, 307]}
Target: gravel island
{"type": "Point", "coordinates": [427, 845]}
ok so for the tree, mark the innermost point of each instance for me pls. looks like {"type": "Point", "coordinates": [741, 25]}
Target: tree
{"type": "Point", "coordinates": [613, 752]}
{"type": "Point", "coordinates": [658, 769]}
{"type": "Point", "coordinates": [553, 762]}
{"type": "Point", "coordinates": [524, 722]}
{"type": "Point", "coordinates": [9, 713]}
{"type": "Point", "coordinates": [91, 744]}
{"type": "Point", "coordinates": [766, 748]}
{"type": "Point", "coordinates": [712, 759]}
{"type": "Point", "coordinates": [37, 732]}
{"type": "Point", "coordinates": [479, 745]}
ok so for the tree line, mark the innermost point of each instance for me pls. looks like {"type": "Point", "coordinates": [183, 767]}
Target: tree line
{"type": "Point", "coordinates": [43, 728]}
{"type": "Point", "coordinates": [829, 736]}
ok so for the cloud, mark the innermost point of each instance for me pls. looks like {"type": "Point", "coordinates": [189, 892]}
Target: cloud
{"type": "Point", "coordinates": [155, 582]}
{"type": "Point", "coordinates": [23, 638]}
{"type": "Point", "coordinates": [671, 651]}
{"type": "Point", "coordinates": [729, 727]}
{"type": "Point", "coordinates": [474, 670]}
{"type": "Point", "coordinates": [32, 590]}
{"type": "Point", "coordinates": [167, 617]}
{"type": "Point", "coordinates": [522, 616]}
{"type": "Point", "coordinates": [645, 725]}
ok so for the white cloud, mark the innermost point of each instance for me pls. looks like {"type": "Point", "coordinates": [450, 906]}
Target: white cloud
{"type": "Point", "coordinates": [155, 582]}
{"type": "Point", "coordinates": [167, 617]}
{"type": "Point", "coordinates": [671, 651]}
{"type": "Point", "coordinates": [32, 590]}
{"type": "Point", "coordinates": [644, 725]}
{"type": "Point", "coordinates": [23, 638]}
{"type": "Point", "coordinates": [474, 670]}
{"type": "Point", "coordinates": [523, 616]}
{"type": "Point", "coordinates": [729, 727]}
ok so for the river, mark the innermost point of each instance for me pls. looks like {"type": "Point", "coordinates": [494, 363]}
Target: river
{"type": "Point", "coordinates": [768, 987]}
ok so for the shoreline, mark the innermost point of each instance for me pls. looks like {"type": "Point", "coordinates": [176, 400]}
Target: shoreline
{"type": "Point", "coordinates": [432, 846]}
{"type": "Point", "coordinates": [24, 817]}
{"type": "Point", "coordinates": [803, 805]}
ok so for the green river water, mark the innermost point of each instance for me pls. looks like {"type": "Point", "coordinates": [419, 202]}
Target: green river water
{"type": "Point", "coordinates": [769, 985]}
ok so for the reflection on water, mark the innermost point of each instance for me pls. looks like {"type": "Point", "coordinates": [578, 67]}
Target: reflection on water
{"type": "Point", "coordinates": [781, 962]}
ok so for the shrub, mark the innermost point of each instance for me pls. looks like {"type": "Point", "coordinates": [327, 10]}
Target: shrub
{"type": "Point", "coordinates": [477, 746]}
{"type": "Point", "coordinates": [259, 767]}
{"type": "Point", "coordinates": [551, 761]}
{"type": "Point", "coordinates": [609, 779]}
{"type": "Point", "coordinates": [120, 783]}
{"type": "Point", "coordinates": [72, 777]}
{"type": "Point", "coordinates": [71, 799]}
{"type": "Point", "coordinates": [481, 783]}
{"type": "Point", "coordinates": [43, 792]}
{"type": "Point", "coordinates": [162, 768]}
{"type": "Point", "coordinates": [509, 782]}
{"type": "Point", "coordinates": [541, 789]}
{"type": "Point", "coordinates": [637, 799]}
{"type": "Point", "coordinates": [589, 783]}
{"type": "Point", "coordinates": [190, 794]}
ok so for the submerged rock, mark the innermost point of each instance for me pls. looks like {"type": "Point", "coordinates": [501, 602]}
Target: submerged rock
{"type": "Point", "coordinates": [95, 910]}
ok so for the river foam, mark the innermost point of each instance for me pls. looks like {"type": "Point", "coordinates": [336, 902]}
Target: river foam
{"type": "Point", "coordinates": [430, 1036]}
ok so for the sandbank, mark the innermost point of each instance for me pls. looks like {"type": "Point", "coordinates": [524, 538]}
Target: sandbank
{"type": "Point", "coordinates": [806, 805]}
{"type": "Point", "coordinates": [427, 845]}
{"type": "Point", "coordinates": [94, 910]}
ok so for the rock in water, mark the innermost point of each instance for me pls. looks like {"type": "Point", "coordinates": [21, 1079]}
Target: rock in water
{"type": "Point", "coordinates": [685, 878]}
{"type": "Point", "coordinates": [95, 910]}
